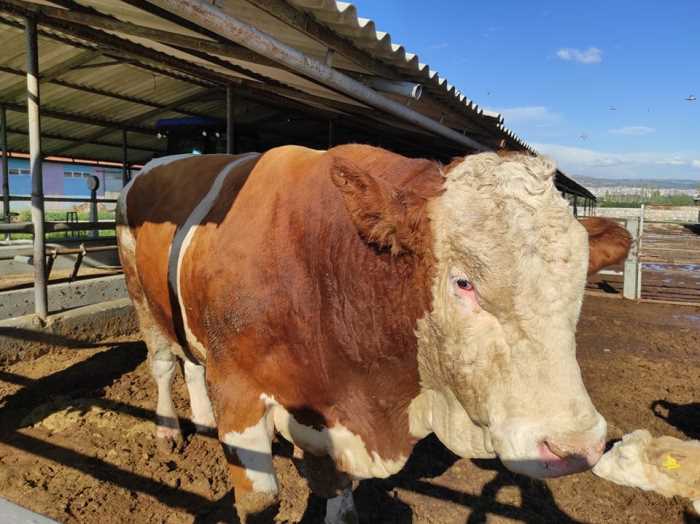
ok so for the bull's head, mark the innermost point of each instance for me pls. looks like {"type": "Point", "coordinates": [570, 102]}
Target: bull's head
{"type": "Point", "coordinates": [496, 350]}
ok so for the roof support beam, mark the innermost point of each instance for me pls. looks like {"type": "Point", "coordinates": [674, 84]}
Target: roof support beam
{"type": "Point", "coordinates": [63, 138]}
{"type": "Point", "coordinates": [214, 19]}
{"type": "Point", "coordinates": [83, 57]}
{"type": "Point", "coordinates": [105, 93]}
{"type": "Point", "coordinates": [81, 119]}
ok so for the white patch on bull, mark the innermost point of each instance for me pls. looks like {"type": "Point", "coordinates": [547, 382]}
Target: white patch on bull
{"type": "Point", "coordinates": [192, 340]}
{"type": "Point", "coordinates": [189, 230]}
{"type": "Point", "coordinates": [341, 509]}
{"type": "Point", "coordinates": [202, 412]}
{"type": "Point", "coordinates": [161, 161]}
{"type": "Point", "coordinates": [347, 449]}
{"type": "Point", "coordinates": [503, 225]}
{"type": "Point", "coordinates": [253, 447]}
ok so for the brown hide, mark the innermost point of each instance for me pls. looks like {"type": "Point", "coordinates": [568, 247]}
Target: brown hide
{"type": "Point", "coordinates": [609, 242]}
{"type": "Point", "coordinates": [157, 203]}
{"type": "Point", "coordinates": [296, 305]}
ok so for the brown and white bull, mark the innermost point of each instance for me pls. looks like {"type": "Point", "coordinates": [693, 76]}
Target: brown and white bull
{"type": "Point", "coordinates": [355, 301]}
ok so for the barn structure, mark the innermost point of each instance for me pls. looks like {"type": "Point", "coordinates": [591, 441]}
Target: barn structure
{"type": "Point", "coordinates": [118, 82]}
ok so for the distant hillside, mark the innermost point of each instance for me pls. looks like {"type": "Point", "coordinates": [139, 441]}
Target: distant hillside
{"type": "Point", "coordinates": [592, 182]}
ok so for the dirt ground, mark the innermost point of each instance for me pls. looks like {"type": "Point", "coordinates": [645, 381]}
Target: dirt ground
{"type": "Point", "coordinates": [77, 444]}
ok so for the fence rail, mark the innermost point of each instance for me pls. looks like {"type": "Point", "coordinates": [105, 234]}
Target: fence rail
{"type": "Point", "coordinates": [24, 198]}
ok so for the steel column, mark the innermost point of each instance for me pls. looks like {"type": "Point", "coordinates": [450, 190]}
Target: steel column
{"type": "Point", "coordinates": [631, 286]}
{"type": "Point", "coordinates": [231, 145]}
{"type": "Point", "coordinates": [33, 115]}
{"type": "Point", "coordinates": [125, 158]}
{"type": "Point", "coordinates": [214, 19]}
{"type": "Point", "coordinates": [5, 168]}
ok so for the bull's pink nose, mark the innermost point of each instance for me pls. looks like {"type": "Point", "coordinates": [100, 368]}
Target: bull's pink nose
{"type": "Point", "coordinates": [574, 451]}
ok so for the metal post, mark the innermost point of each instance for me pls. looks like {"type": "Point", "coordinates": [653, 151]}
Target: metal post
{"type": "Point", "coordinates": [5, 168]}
{"type": "Point", "coordinates": [231, 145]}
{"type": "Point", "coordinates": [93, 184]}
{"type": "Point", "coordinates": [631, 287]}
{"type": "Point", "coordinates": [575, 205]}
{"type": "Point", "coordinates": [33, 108]}
{"type": "Point", "coordinates": [125, 159]}
{"type": "Point", "coordinates": [331, 134]}
{"type": "Point", "coordinates": [640, 233]}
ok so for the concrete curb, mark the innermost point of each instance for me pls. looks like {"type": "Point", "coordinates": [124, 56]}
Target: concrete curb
{"type": "Point", "coordinates": [64, 296]}
{"type": "Point", "coordinates": [84, 327]}
{"type": "Point", "coordinates": [11, 513]}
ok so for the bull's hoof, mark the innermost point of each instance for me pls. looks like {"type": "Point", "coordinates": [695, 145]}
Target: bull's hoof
{"type": "Point", "coordinates": [257, 508]}
{"type": "Point", "coordinates": [169, 440]}
{"type": "Point", "coordinates": [341, 509]}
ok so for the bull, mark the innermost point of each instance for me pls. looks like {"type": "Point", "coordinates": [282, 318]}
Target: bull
{"type": "Point", "coordinates": [355, 301]}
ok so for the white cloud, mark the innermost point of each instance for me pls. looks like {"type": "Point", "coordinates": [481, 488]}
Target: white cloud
{"type": "Point", "coordinates": [632, 130]}
{"type": "Point", "coordinates": [674, 161]}
{"type": "Point", "coordinates": [441, 45]}
{"type": "Point", "coordinates": [538, 115]}
{"type": "Point", "coordinates": [592, 55]}
{"type": "Point", "coordinates": [582, 161]}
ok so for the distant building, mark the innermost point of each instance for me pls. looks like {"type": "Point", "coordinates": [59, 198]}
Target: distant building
{"type": "Point", "coordinates": [696, 200]}
{"type": "Point", "coordinates": [62, 180]}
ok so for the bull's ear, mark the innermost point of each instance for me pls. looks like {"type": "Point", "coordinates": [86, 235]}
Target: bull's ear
{"type": "Point", "coordinates": [608, 242]}
{"type": "Point", "coordinates": [386, 216]}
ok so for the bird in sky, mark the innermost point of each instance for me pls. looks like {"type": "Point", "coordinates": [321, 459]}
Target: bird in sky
{"type": "Point", "coordinates": [691, 98]}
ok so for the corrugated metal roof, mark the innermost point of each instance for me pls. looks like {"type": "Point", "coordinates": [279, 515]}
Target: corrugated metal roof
{"type": "Point", "coordinates": [343, 18]}
{"type": "Point", "coordinates": [141, 86]}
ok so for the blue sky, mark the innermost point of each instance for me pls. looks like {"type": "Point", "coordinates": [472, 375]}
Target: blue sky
{"type": "Point", "coordinates": [554, 69]}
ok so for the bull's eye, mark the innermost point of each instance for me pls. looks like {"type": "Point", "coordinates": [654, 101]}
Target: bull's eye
{"type": "Point", "coordinates": [463, 283]}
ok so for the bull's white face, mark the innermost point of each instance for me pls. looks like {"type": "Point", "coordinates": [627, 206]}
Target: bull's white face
{"type": "Point", "coordinates": [497, 352]}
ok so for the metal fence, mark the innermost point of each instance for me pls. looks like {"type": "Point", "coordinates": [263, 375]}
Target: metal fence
{"type": "Point", "coordinates": [663, 263]}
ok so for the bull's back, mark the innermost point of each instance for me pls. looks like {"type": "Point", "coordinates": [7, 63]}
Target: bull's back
{"type": "Point", "coordinates": [152, 208]}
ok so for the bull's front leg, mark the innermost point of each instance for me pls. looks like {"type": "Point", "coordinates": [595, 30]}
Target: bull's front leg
{"type": "Point", "coordinates": [246, 430]}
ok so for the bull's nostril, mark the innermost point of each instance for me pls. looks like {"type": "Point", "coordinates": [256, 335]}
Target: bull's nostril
{"type": "Point", "coordinates": [559, 450]}
{"type": "Point", "coordinates": [575, 452]}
